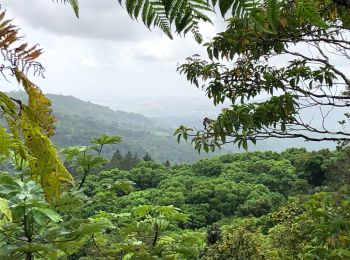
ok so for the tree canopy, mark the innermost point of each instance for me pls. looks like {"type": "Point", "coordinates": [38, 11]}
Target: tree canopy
{"type": "Point", "coordinates": [262, 205]}
{"type": "Point", "coordinates": [275, 69]}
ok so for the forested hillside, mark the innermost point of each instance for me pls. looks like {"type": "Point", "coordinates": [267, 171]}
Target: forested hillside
{"type": "Point", "coordinates": [79, 181]}
{"type": "Point", "coordinates": [78, 121]}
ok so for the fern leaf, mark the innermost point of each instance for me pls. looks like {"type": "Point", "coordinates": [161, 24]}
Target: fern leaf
{"type": "Point", "coordinates": [39, 105]}
{"type": "Point", "coordinates": [224, 6]}
{"type": "Point", "coordinates": [16, 54]}
{"type": "Point", "coordinates": [306, 11]}
{"type": "Point", "coordinates": [272, 13]}
{"type": "Point", "coordinates": [29, 126]}
{"type": "Point", "coordinates": [183, 14]}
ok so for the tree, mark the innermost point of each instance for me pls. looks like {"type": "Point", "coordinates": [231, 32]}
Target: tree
{"type": "Point", "coordinates": [167, 163]}
{"type": "Point", "coordinates": [146, 233]}
{"type": "Point", "coordinates": [337, 169]}
{"type": "Point", "coordinates": [206, 167]}
{"type": "Point", "coordinates": [87, 159]}
{"type": "Point", "coordinates": [34, 228]}
{"type": "Point", "coordinates": [147, 157]}
{"type": "Point", "coordinates": [304, 34]}
{"type": "Point", "coordinates": [129, 162]}
{"type": "Point", "coordinates": [115, 161]}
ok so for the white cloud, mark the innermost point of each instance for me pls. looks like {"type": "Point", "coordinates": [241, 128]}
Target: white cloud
{"type": "Point", "coordinates": [104, 53]}
{"type": "Point", "coordinates": [101, 19]}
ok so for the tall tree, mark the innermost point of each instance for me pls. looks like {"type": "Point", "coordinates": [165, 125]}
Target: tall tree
{"type": "Point", "coordinates": [147, 157]}
{"type": "Point", "coordinates": [115, 161]}
{"type": "Point", "coordinates": [275, 67]}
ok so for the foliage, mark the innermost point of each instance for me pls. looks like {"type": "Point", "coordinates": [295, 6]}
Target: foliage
{"type": "Point", "coordinates": [262, 205]}
{"type": "Point", "coordinates": [147, 157]}
{"type": "Point", "coordinates": [185, 15]}
{"type": "Point", "coordinates": [240, 188]}
{"type": "Point", "coordinates": [146, 233]}
{"type": "Point", "coordinates": [28, 126]}
{"type": "Point", "coordinates": [73, 3]}
{"type": "Point", "coordinates": [321, 230]}
{"type": "Point", "coordinates": [238, 243]}
{"type": "Point", "coordinates": [315, 228]}
{"type": "Point", "coordinates": [126, 162]}
{"type": "Point", "coordinates": [37, 229]}
{"type": "Point", "coordinates": [135, 214]}
{"type": "Point", "coordinates": [206, 167]}
{"type": "Point", "coordinates": [6, 215]}
{"type": "Point", "coordinates": [89, 159]}
{"type": "Point", "coordinates": [336, 169]}
{"type": "Point", "coordinates": [242, 68]}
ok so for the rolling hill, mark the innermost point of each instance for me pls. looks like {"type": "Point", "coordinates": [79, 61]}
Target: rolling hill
{"type": "Point", "coordinates": [78, 121]}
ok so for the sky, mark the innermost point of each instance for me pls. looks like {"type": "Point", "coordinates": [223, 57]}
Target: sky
{"type": "Point", "coordinates": [103, 55]}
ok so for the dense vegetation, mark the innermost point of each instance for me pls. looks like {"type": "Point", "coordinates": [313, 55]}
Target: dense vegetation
{"type": "Point", "coordinates": [259, 205]}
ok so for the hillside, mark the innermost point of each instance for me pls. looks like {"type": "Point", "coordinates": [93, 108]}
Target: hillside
{"type": "Point", "coordinates": [78, 121]}
{"type": "Point", "coordinates": [69, 105]}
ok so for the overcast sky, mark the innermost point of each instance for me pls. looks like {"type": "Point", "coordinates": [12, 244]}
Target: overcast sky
{"type": "Point", "coordinates": [104, 54]}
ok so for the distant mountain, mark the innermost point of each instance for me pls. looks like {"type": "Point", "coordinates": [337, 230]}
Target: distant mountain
{"type": "Point", "coordinates": [69, 105]}
{"type": "Point", "coordinates": [171, 112]}
{"type": "Point", "coordinates": [78, 121]}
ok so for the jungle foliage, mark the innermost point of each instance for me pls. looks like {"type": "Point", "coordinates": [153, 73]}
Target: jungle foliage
{"type": "Point", "coordinates": [258, 205]}
{"type": "Point", "coordinates": [262, 205]}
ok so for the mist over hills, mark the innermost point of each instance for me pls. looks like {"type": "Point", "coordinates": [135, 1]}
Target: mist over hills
{"type": "Point", "coordinates": [78, 121]}
{"type": "Point", "coordinates": [190, 111]}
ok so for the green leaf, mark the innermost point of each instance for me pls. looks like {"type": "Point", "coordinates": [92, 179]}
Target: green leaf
{"type": "Point", "coordinates": [5, 210]}
{"type": "Point", "coordinates": [106, 139]}
{"type": "Point", "coordinates": [8, 185]}
{"type": "Point", "coordinates": [55, 217]}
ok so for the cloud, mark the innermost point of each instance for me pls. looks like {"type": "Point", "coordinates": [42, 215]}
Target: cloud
{"type": "Point", "coordinates": [104, 54]}
{"type": "Point", "coordinates": [101, 19]}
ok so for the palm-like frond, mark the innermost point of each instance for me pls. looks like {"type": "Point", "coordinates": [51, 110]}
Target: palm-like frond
{"type": "Point", "coordinates": [306, 10]}
{"type": "Point", "coordinates": [184, 15]}
{"type": "Point", "coordinates": [106, 139]}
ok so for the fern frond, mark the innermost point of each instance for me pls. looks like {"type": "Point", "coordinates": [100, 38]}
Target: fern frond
{"type": "Point", "coordinates": [272, 13]}
{"type": "Point", "coordinates": [239, 8]}
{"type": "Point", "coordinates": [45, 165]}
{"type": "Point", "coordinates": [184, 15]}
{"type": "Point", "coordinates": [265, 13]}
{"type": "Point", "coordinates": [16, 54]}
{"type": "Point", "coordinates": [39, 106]}
{"type": "Point", "coordinates": [28, 126]}
{"type": "Point", "coordinates": [306, 11]}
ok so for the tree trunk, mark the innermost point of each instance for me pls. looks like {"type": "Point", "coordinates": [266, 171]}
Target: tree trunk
{"type": "Point", "coordinates": [29, 256]}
